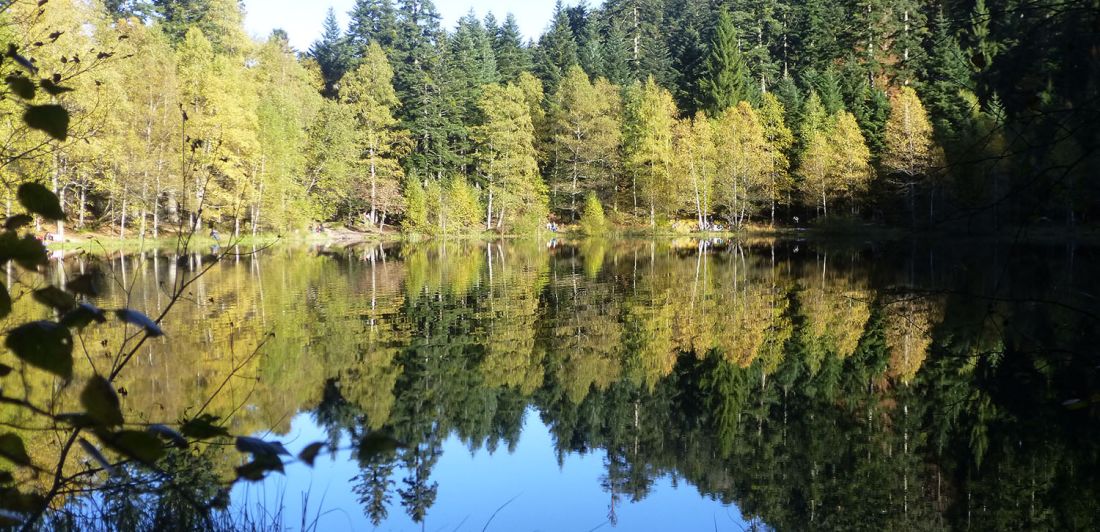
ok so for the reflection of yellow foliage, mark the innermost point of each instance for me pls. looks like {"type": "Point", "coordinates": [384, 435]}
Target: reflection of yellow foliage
{"type": "Point", "coordinates": [909, 334]}
{"type": "Point", "coordinates": [836, 314]}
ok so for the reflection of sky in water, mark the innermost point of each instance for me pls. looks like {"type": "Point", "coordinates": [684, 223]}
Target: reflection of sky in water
{"type": "Point", "coordinates": [472, 487]}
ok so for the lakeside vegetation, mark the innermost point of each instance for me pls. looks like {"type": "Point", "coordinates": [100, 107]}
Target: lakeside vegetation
{"type": "Point", "coordinates": [913, 113]}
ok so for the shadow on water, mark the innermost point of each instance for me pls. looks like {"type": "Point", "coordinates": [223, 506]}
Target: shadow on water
{"type": "Point", "coordinates": [815, 386]}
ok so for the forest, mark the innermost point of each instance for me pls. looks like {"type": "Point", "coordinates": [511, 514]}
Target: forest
{"type": "Point", "coordinates": [957, 115]}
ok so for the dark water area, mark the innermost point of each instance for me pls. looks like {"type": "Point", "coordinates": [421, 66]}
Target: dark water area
{"type": "Point", "coordinates": [638, 385]}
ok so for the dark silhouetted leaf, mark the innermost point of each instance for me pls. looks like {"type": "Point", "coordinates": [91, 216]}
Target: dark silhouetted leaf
{"type": "Point", "coordinates": [169, 434]}
{"type": "Point", "coordinates": [25, 503]}
{"type": "Point", "coordinates": [82, 316]}
{"type": "Point", "coordinates": [96, 455]}
{"type": "Point", "coordinates": [101, 402]}
{"type": "Point", "coordinates": [21, 86]}
{"type": "Point", "coordinates": [77, 420]}
{"type": "Point", "coordinates": [377, 443]}
{"type": "Point", "coordinates": [138, 445]}
{"type": "Point", "coordinates": [51, 119]}
{"type": "Point", "coordinates": [203, 427]}
{"type": "Point", "coordinates": [44, 345]}
{"type": "Point", "coordinates": [40, 200]}
{"type": "Point", "coordinates": [27, 251]}
{"type": "Point", "coordinates": [52, 88]}
{"type": "Point", "coordinates": [89, 284]}
{"type": "Point", "coordinates": [55, 298]}
{"type": "Point", "coordinates": [17, 221]}
{"type": "Point", "coordinates": [221, 500]}
{"type": "Point", "coordinates": [12, 449]}
{"type": "Point", "coordinates": [5, 301]}
{"type": "Point", "coordinates": [309, 454]}
{"type": "Point", "coordinates": [134, 317]}
{"type": "Point", "coordinates": [258, 447]}
{"type": "Point", "coordinates": [255, 470]}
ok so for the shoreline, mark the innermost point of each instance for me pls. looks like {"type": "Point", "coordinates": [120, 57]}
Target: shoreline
{"type": "Point", "coordinates": [99, 243]}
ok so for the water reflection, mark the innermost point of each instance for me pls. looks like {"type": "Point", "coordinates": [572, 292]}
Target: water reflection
{"type": "Point", "coordinates": [814, 385]}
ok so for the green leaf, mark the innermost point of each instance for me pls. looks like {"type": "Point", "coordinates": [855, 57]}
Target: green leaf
{"type": "Point", "coordinates": [5, 301]}
{"type": "Point", "coordinates": [51, 119]}
{"type": "Point", "coordinates": [11, 448]}
{"type": "Point", "coordinates": [27, 252]}
{"type": "Point", "coordinates": [21, 86]}
{"type": "Point", "coordinates": [52, 88]}
{"type": "Point", "coordinates": [39, 200]}
{"type": "Point", "coordinates": [101, 402]}
{"type": "Point", "coordinates": [55, 298]}
{"type": "Point", "coordinates": [138, 445]}
{"type": "Point", "coordinates": [45, 345]}
{"type": "Point", "coordinates": [82, 316]}
{"type": "Point", "coordinates": [134, 317]}
{"type": "Point", "coordinates": [203, 428]}
{"type": "Point", "coordinates": [309, 454]}
{"type": "Point", "coordinates": [17, 221]}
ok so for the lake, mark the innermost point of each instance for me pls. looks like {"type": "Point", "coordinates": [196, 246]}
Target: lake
{"type": "Point", "coordinates": [621, 384]}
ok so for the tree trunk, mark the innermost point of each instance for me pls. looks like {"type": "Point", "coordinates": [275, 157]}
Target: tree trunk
{"type": "Point", "coordinates": [122, 221]}
{"type": "Point", "coordinates": [373, 187]}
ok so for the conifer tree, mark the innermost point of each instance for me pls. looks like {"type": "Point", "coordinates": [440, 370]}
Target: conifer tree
{"type": "Point", "coordinates": [372, 21]}
{"type": "Point", "coordinates": [331, 54]}
{"type": "Point", "coordinates": [557, 49]}
{"type": "Point", "coordinates": [725, 80]}
{"type": "Point", "coordinates": [511, 55]}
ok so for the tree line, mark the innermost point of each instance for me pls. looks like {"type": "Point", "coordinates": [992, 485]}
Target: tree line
{"type": "Point", "coordinates": [724, 113]}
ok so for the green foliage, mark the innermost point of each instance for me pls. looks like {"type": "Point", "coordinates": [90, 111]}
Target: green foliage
{"type": "Point", "coordinates": [593, 222]}
{"type": "Point", "coordinates": [725, 81]}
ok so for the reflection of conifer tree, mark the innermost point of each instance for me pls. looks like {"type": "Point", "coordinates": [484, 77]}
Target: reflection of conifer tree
{"type": "Point", "coordinates": [373, 486]}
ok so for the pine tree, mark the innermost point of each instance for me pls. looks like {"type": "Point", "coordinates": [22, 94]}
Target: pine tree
{"type": "Point", "coordinates": [471, 66]}
{"type": "Point", "coordinates": [725, 81]}
{"type": "Point", "coordinates": [331, 54]}
{"type": "Point", "coordinates": [947, 80]}
{"type": "Point", "coordinates": [512, 56]}
{"type": "Point", "coordinates": [616, 56]}
{"type": "Point", "coordinates": [557, 49]}
{"type": "Point", "coordinates": [372, 21]}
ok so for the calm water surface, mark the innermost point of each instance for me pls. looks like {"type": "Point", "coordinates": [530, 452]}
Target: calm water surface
{"type": "Point", "coordinates": [643, 385]}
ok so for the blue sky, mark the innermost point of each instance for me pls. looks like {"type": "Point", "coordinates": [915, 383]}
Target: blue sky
{"type": "Point", "coordinates": [302, 18]}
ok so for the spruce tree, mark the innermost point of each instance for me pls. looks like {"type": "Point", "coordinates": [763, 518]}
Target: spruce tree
{"type": "Point", "coordinates": [372, 21]}
{"type": "Point", "coordinates": [557, 49]}
{"type": "Point", "coordinates": [511, 54]}
{"type": "Point", "coordinates": [330, 53]}
{"type": "Point", "coordinates": [725, 81]}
